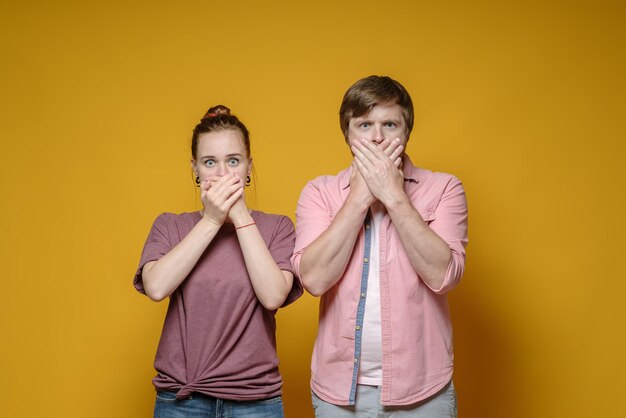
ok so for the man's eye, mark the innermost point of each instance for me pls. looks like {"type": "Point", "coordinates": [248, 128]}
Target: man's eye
{"type": "Point", "coordinates": [209, 163]}
{"type": "Point", "coordinates": [390, 125]}
{"type": "Point", "coordinates": [364, 125]}
{"type": "Point", "coordinates": [233, 161]}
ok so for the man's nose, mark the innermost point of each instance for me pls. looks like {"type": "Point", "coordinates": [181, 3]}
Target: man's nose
{"type": "Point", "coordinates": [378, 136]}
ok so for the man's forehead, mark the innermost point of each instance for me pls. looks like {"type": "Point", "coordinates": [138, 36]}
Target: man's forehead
{"type": "Point", "coordinates": [383, 111]}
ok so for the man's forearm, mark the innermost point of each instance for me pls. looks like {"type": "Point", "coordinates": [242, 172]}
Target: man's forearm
{"type": "Point", "coordinates": [324, 261]}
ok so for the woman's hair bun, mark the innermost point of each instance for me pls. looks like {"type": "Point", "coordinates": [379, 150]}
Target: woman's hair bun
{"type": "Point", "coordinates": [216, 111]}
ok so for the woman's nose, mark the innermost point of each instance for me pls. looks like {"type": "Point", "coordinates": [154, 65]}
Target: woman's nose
{"type": "Point", "coordinates": [222, 170]}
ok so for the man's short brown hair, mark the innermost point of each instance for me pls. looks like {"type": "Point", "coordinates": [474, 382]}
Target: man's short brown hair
{"type": "Point", "coordinates": [366, 93]}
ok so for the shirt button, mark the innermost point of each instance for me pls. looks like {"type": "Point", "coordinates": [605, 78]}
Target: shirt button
{"type": "Point", "coordinates": [366, 259]}
{"type": "Point", "coordinates": [362, 294]}
{"type": "Point", "coordinates": [367, 226]}
{"type": "Point", "coordinates": [358, 327]}
{"type": "Point", "coordinates": [356, 360]}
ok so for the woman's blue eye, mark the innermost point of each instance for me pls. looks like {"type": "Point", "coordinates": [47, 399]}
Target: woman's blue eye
{"type": "Point", "coordinates": [209, 163]}
{"type": "Point", "coordinates": [233, 161]}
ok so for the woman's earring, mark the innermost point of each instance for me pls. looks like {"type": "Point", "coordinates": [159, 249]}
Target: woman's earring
{"type": "Point", "coordinates": [197, 180]}
{"type": "Point", "coordinates": [248, 180]}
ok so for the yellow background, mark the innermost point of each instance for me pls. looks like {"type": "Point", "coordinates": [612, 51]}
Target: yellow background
{"type": "Point", "coordinates": [524, 101]}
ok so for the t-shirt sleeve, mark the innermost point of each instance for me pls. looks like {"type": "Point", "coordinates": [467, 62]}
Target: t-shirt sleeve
{"type": "Point", "coordinates": [157, 245]}
{"type": "Point", "coordinates": [281, 249]}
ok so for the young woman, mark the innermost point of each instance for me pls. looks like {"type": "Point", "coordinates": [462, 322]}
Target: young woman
{"type": "Point", "coordinates": [226, 270]}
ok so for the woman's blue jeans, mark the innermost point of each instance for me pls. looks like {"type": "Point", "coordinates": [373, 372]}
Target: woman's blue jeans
{"type": "Point", "coordinates": [198, 405]}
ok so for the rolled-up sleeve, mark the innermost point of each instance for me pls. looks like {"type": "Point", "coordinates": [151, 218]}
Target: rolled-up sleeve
{"type": "Point", "coordinates": [450, 223]}
{"type": "Point", "coordinates": [312, 218]}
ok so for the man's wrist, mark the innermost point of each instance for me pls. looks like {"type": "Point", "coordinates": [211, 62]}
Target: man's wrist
{"type": "Point", "coordinates": [358, 204]}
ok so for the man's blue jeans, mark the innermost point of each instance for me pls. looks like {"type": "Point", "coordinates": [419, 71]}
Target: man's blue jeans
{"type": "Point", "coordinates": [197, 406]}
{"type": "Point", "coordinates": [440, 405]}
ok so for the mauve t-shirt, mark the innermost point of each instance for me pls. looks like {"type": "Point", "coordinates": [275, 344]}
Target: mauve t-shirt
{"type": "Point", "coordinates": [217, 338]}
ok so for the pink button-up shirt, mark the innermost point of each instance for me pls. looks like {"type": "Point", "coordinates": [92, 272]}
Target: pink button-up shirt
{"type": "Point", "coordinates": [416, 330]}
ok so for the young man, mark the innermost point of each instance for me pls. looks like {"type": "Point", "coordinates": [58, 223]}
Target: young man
{"type": "Point", "coordinates": [382, 243]}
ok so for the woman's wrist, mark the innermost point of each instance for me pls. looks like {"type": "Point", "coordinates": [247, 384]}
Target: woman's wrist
{"type": "Point", "coordinates": [245, 225]}
{"type": "Point", "coordinates": [209, 224]}
{"type": "Point", "coordinates": [242, 219]}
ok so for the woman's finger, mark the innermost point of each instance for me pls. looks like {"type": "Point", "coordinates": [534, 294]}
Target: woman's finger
{"type": "Point", "coordinates": [233, 198]}
{"type": "Point", "coordinates": [220, 186]}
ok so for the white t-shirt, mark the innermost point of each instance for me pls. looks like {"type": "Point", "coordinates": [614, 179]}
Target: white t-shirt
{"type": "Point", "coordinates": [370, 371]}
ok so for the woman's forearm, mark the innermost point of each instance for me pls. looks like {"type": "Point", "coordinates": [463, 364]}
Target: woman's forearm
{"type": "Point", "coordinates": [162, 277]}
